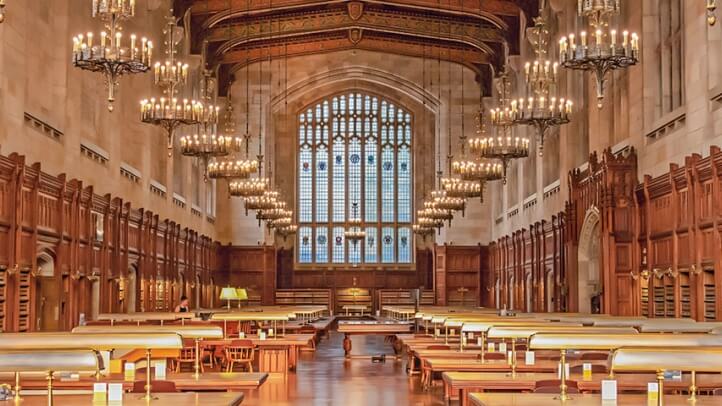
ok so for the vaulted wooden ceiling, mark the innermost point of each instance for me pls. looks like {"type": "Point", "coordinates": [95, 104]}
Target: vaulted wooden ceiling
{"type": "Point", "coordinates": [235, 33]}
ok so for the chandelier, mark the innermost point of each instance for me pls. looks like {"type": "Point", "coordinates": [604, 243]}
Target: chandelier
{"type": "Point", "coordinates": [503, 146]}
{"type": "Point", "coordinates": [711, 7]}
{"type": "Point", "coordinates": [167, 111]}
{"type": "Point", "coordinates": [478, 171]}
{"type": "Point", "coordinates": [354, 233]}
{"type": "Point", "coordinates": [426, 222]}
{"type": "Point", "coordinates": [462, 188]}
{"type": "Point", "coordinates": [285, 231]}
{"type": "Point", "coordinates": [111, 56]}
{"type": "Point", "coordinates": [601, 51]}
{"type": "Point", "coordinates": [231, 167]}
{"type": "Point", "coordinates": [541, 108]}
{"type": "Point", "coordinates": [442, 200]}
{"type": "Point", "coordinates": [421, 230]}
{"type": "Point", "coordinates": [433, 212]}
{"type": "Point", "coordinates": [274, 214]}
{"type": "Point", "coordinates": [206, 143]}
{"type": "Point", "coordinates": [281, 222]}
{"type": "Point", "coordinates": [248, 187]}
{"type": "Point", "coordinates": [266, 201]}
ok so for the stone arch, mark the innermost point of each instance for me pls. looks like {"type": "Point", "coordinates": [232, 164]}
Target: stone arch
{"type": "Point", "coordinates": [589, 260]}
{"type": "Point", "coordinates": [47, 302]}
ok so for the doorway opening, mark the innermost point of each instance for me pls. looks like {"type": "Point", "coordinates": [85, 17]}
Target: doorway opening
{"type": "Point", "coordinates": [589, 257]}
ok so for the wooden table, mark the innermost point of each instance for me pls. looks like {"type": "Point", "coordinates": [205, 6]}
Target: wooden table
{"type": "Point", "coordinates": [275, 354]}
{"type": "Point", "coordinates": [347, 308]}
{"type": "Point", "coordinates": [460, 384]}
{"type": "Point", "coordinates": [386, 327]}
{"type": "Point", "coordinates": [545, 399]}
{"type": "Point", "coordinates": [208, 381]}
{"type": "Point", "coordinates": [134, 399]}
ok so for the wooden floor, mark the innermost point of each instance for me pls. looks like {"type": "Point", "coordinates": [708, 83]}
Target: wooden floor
{"type": "Point", "coordinates": [326, 378]}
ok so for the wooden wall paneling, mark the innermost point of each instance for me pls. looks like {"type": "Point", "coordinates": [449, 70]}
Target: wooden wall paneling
{"type": "Point", "coordinates": [440, 274]}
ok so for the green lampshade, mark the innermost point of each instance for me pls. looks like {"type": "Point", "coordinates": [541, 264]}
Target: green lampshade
{"type": "Point", "coordinates": [242, 294]}
{"type": "Point", "coordinates": [229, 294]}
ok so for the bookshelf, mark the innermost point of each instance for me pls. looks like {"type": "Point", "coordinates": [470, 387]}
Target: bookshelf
{"type": "Point", "coordinates": [710, 313]}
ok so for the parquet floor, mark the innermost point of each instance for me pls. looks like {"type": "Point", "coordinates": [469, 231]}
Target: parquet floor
{"type": "Point", "coordinates": [326, 378]}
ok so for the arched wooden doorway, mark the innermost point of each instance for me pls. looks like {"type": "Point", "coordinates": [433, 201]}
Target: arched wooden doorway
{"type": "Point", "coordinates": [589, 266]}
{"type": "Point", "coordinates": [47, 301]}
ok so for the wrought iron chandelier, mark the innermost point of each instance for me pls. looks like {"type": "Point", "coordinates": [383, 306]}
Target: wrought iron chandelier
{"type": "Point", "coordinates": [542, 107]}
{"type": "Point", "coordinates": [503, 146]}
{"type": "Point", "coordinates": [601, 50]}
{"type": "Point", "coordinates": [285, 231]}
{"type": "Point", "coordinates": [267, 201]}
{"type": "Point", "coordinates": [354, 233]}
{"type": "Point", "coordinates": [455, 187]}
{"type": "Point", "coordinates": [248, 187]}
{"type": "Point", "coordinates": [111, 56]}
{"type": "Point", "coordinates": [231, 166]}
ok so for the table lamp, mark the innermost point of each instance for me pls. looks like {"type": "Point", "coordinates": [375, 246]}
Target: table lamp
{"type": "Point", "coordinates": [228, 294]}
{"type": "Point", "coordinates": [242, 295]}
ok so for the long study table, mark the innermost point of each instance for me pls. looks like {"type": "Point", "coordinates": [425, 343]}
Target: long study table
{"type": "Point", "coordinates": [134, 399]}
{"type": "Point", "coordinates": [457, 385]}
{"type": "Point", "coordinates": [208, 381]}
{"type": "Point", "coordinates": [275, 354]}
{"type": "Point", "coordinates": [546, 399]}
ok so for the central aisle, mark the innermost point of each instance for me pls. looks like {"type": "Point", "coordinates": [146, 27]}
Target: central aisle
{"type": "Point", "coordinates": [325, 378]}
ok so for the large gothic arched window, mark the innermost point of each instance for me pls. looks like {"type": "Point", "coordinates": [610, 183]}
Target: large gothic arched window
{"type": "Point", "coordinates": [354, 162]}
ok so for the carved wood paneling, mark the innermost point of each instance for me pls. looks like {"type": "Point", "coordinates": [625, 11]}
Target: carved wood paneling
{"type": "Point", "coordinates": [91, 240]}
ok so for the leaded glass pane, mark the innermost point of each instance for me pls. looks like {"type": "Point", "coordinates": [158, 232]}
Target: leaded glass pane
{"type": "Point", "coordinates": [387, 185]}
{"type": "Point", "coordinates": [404, 185]}
{"type": "Point", "coordinates": [338, 245]}
{"type": "Point", "coordinates": [321, 245]}
{"type": "Point", "coordinates": [360, 148]}
{"type": "Point", "coordinates": [321, 185]}
{"type": "Point", "coordinates": [404, 245]}
{"type": "Point", "coordinates": [387, 245]}
{"type": "Point", "coordinates": [304, 245]}
{"type": "Point", "coordinates": [339, 180]}
{"type": "Point", "coordinates": [305, 183]}
{"type": "Point", "coordinates": [371, 249]}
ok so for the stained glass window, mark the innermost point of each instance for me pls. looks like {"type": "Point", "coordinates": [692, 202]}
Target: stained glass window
{"type": "Point", "coordinates": [355, 162]}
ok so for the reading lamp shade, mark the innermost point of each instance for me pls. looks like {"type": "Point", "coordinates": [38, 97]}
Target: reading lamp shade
{"type": "Point", "coordinates": [229, 294]}
{"type": "Point", "coordinates": [242, 294]}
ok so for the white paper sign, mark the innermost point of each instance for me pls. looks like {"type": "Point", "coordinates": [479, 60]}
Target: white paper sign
{"type": "Point", "coordinates": [262, 335]}
{"type": "Point", "coordinates": [510, 357]}
{"type": "Point", "coordinates": [502, 347]}
{"type": "Point", "coordinates": [100, 387]}
{"type": "Point", "coordinates": [115, 392]}
{"type": "Point", "coordinates": [478, 341]}
{"type": "Point", "coordinates": [470, 335]}
{"type": "Point", "coordinates": [437, 332]}
{"type": "Point", "coordinates": [652, 390]}
{"type": "Point", "coordinates": [609, 390]}
{"type": "Point", "coordinates": [270, 332]}
{"type": "Point", "coordinates": [241, 335]}
{"type": "Point", "coordinates": [159, 369]}
{"type": "Point", "coordinates": [529, 358]}
{"type": "Point", "coordinates": [452, 332]}
{"type": "Point", "coordinates": [491, 347]}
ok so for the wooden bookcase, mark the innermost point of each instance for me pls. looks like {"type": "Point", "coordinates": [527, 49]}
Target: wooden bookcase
{"type": "Point", "coordinates": [353, 296]}
{"type": "Point", "coordinates": [404, 297]}
{"type": "Point", "coordinates": [299, 297]}
{"type": "Point", "coordinates": [685, 295]}
{"type": "Point", "coordinates": [710, 296]}
{"type": "Point", "coordinates": [3, 290]}
{"type": "Point", "coordinates": [645, 297]}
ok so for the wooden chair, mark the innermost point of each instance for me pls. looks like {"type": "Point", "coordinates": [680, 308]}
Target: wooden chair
{"type": "Point", "coordinates": [240, 352]}
{"type": "Point", "coordinates": [438, 347]}
{"type": "Point", "coordinates": [552, 386]}
{"type": "Point", "coordinates": [187, 356]}
{"type": "Point", "coordinates": [156, 387]}
{"type": "Point", "coordinates": [596, 368]}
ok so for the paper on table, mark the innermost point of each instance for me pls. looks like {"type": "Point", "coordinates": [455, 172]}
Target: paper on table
{"type": "Point", "coordinates": [129, 374]}
{"type": "Point", "coordinates": [529, 358]}
{"type": "Point", "coordinates": [115, 392]}
{"type": "Point", "coordinates": [100, 389]}
{"type": "Point", "coordinates": [609, 390]}
{"type": "Point", "coordinates": [502, 347]}
{"type": "Point", "coordinates": [652, 391]}
{"type": "Point", "coordinates": [159, 369]}
{"type": "Point", "coordinates": [559, 370]}
{"type": "Point", "coordinates": [586, 370]}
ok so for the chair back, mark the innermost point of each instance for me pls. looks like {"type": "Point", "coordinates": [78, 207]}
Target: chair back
{"type": "Point", "coordinates": [156, 387]}
{"type": "Point", "coordinates": [438, 347]}
{"type": "Point", "coordinates": [240, 350]}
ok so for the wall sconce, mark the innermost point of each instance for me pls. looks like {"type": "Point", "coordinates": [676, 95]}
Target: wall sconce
{"type": "Point", "coordinates": [711, 7]}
